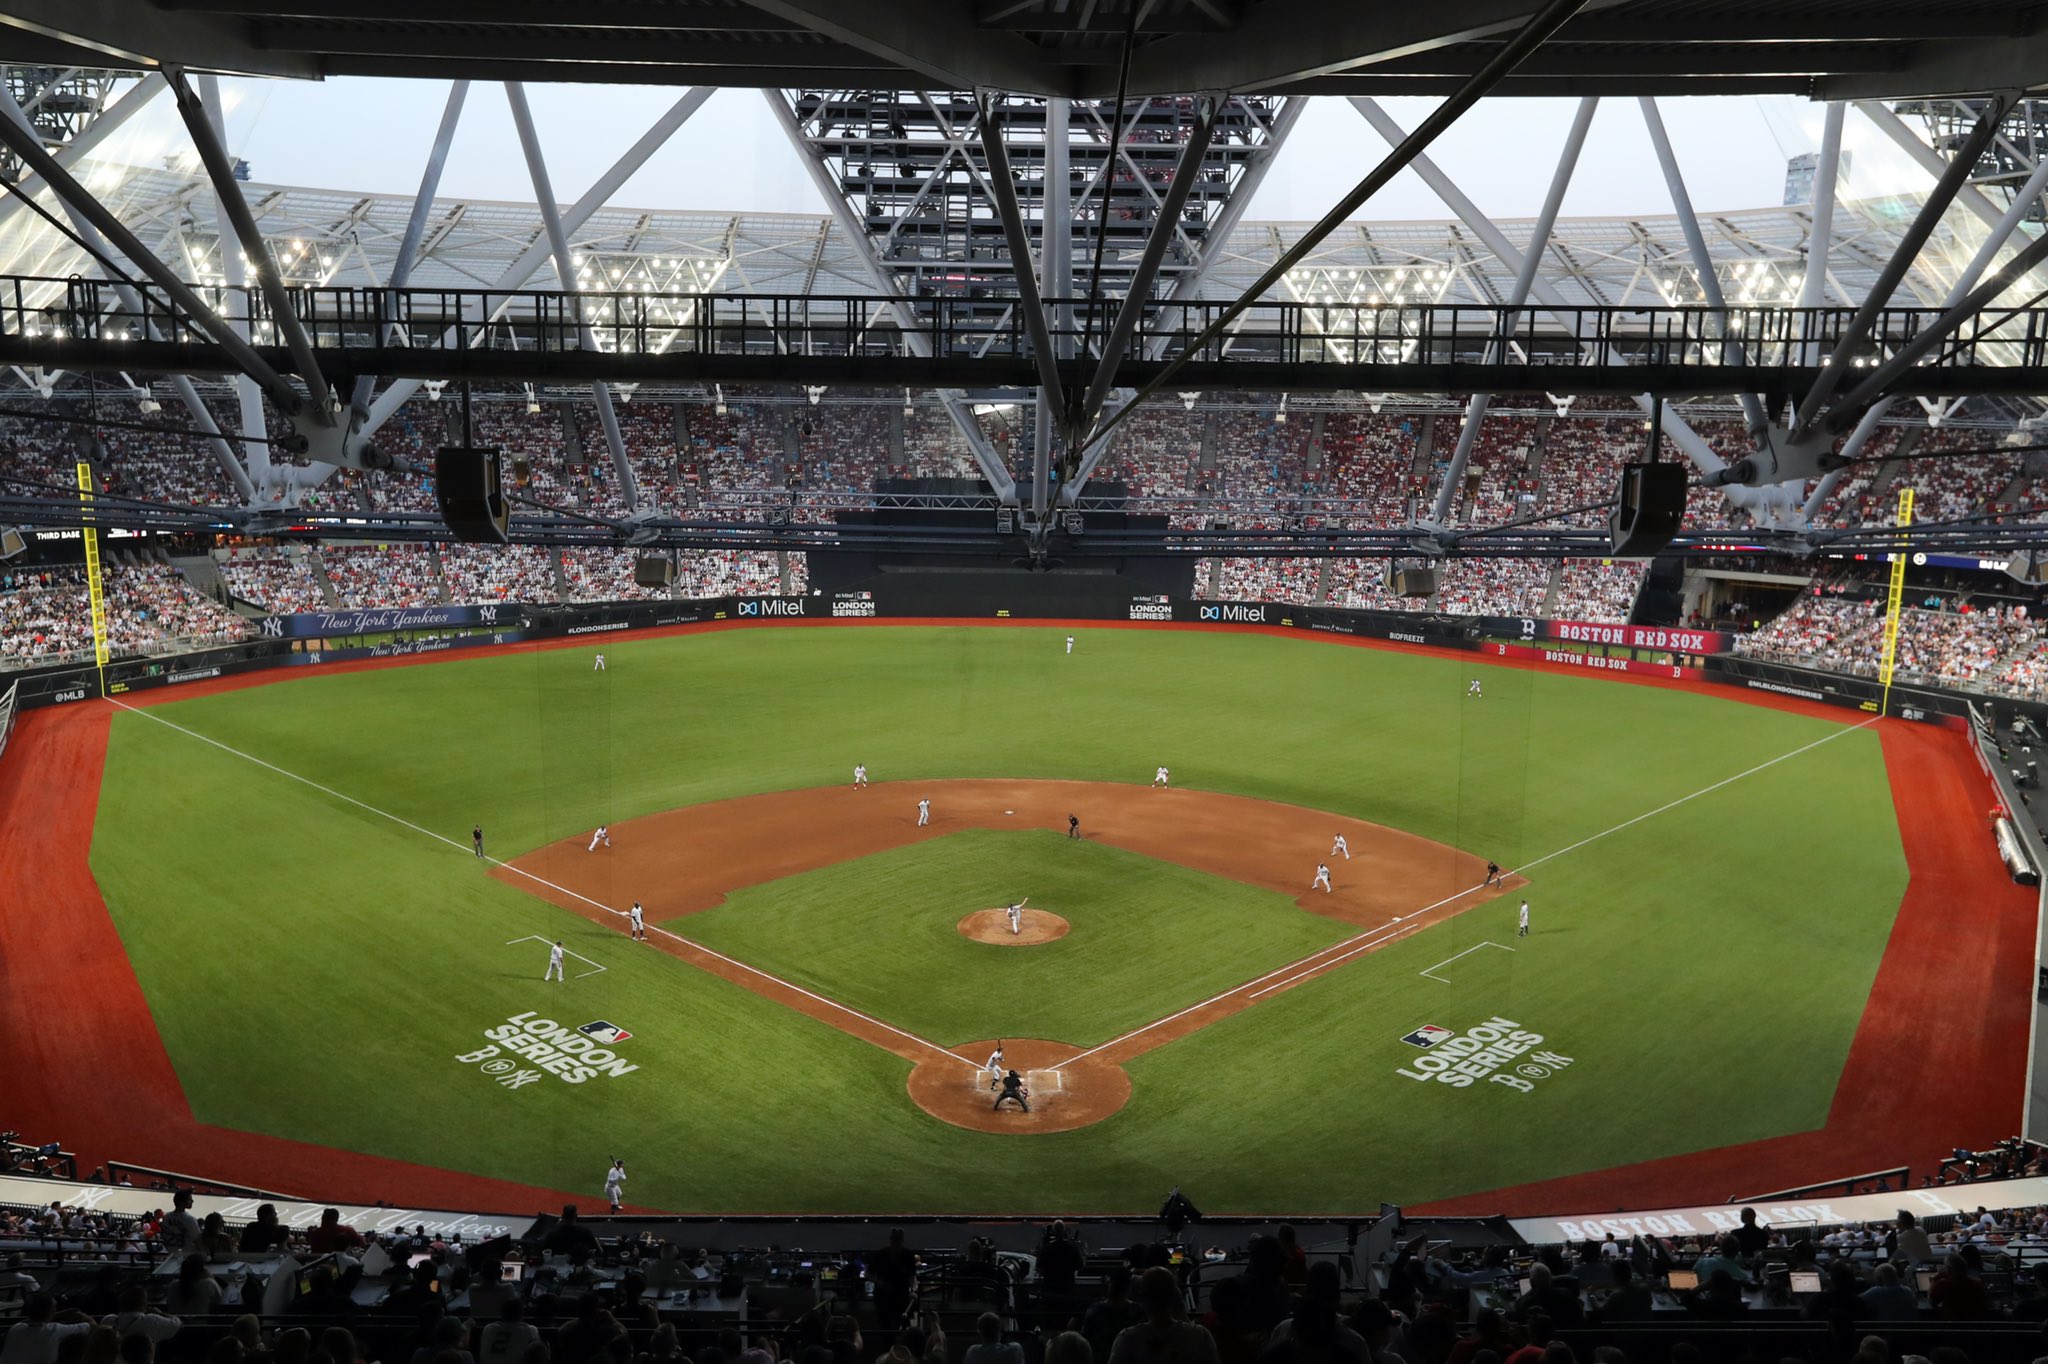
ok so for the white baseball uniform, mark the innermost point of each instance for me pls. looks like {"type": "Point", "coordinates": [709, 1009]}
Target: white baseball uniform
{"type": "Point", "coordinates": [639, 921]}
{"type": "Point", "coordinates": [603, 835]}
{"type": "Point", "coordinates": [599, 666]}
{"type": "Point", "coordinates": [924, 813]}
{"type": "Point", "coordinates": [1522, 931]}
{"type": "Point", "coordinates": [1340, 846]}
{"type": "Point", "coordinates": [1016, 913]}
{"type": "Point", "coordinates": [1322, 878]}
{"type": "Point", "coordinates": [1473, 690]}
{"type": "Point", "coordinates": [1070, 644]}
{"type": "Point", "coordinates": [1159, 777]}
{"type": "Point", "coordinates": [614, 1184]}
{"type": "Point", "coordinates": [993, 1067]}
{"type": "Point", "coordinates": [554, 971]}
{"type": "Point", "coordinates": [860, 774]}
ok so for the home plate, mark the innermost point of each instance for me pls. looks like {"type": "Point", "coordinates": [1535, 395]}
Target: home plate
{"type": "Point", "coordinates": [1009, 812]}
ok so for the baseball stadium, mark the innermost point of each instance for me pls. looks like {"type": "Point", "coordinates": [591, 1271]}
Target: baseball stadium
{"type": "Point", "coordinates": [1026, 752]}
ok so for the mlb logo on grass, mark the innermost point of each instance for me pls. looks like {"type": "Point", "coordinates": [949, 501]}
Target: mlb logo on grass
{"type": "Point", "coordinates": [611, 1033]}
{"type": "Point", "coordinates": [1428, 1035]}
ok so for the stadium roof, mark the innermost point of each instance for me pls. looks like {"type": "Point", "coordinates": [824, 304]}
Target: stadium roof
{"type": "Point", "coordinates": [326, 236]}
{"type": "Point", "coordinates": [1829, 49]}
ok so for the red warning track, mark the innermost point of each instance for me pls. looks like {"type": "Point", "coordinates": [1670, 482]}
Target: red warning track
{"type": "Point", "coordinates": [1938, 1060]}
{"type": "Point", "coordinates": [84, 1062]}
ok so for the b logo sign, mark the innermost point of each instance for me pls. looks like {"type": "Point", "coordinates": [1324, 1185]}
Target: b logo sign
{"type": "Point", "coordinates": [750, 608]}
{"type": "Point", "coordinates": [1211, 613]}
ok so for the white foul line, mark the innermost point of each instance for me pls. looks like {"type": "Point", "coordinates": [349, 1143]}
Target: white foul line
{"type": "Point", "coordinates": [541, 880]}
{"type": "Point", "coordinates": [1466, 953]}
{"type": "Point", "coordinates": [1371, 938]}
{"type": "Point", "coordinates": [535, 937]}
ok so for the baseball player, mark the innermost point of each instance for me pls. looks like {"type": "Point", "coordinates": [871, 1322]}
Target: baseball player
{"type": "Point", "coordinates": [555, 971]}
{"type": "Point", "coordinates": [924, 813]}
{"type": "Point", "coordinates": [639, 918]}
{"type": "Point", "coordinates": [860, 775]}
{"type": "Point", "coordinates": [1016, 913]}
{"type": "Point", "coordinates": [614, 1184]}
{"type": "Point", "coordinates": [599, 666]}
{"type": "Point", "coordinates": [993, 1067]}
{"type": "Point", "coordinates": [1522, 926]}
{"type": "Point", "coordinates": [476, 839]}
{"type": "Point", "coordinates": [1159, 778]}
{"type": "Point", "coordinates": [1323, 878]}
{"type": "Point", "coordinates": [603, 835]}
{"type": "Point", "coordinates": [1473, 690]}
{"type": "Point", "coordinates": [1340, 846]}
{"type": "Point", "coordinates": [1492, 875]}
{"type": "Point", "coordinates": [1013, 1092]}
{"type": "Point", "coordinates": [1073, 826]}
{"type": "Point", "coordinates": [1070, 644]}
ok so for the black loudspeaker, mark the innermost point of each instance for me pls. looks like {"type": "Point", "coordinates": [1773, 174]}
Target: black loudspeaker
{"type": "Point", "coordinates": [654, 572]}
{"type": "Point", "coordinates": [1411, 582]}
{"type": "Point", "coordinates": [12, 543]}
{"type": "Point", "coordinates": [469, 484]}
{"type": "Point", "coordinates": [1652, 503]}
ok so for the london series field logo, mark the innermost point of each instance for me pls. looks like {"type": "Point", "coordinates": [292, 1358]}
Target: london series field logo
{"type": "Point", "coordinates": [1499, 1050]}
{"type": "Point", "coordinates": [526, 1046]}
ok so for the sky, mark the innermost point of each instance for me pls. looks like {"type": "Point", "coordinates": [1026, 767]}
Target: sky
{"type": "Point", "coordinates": [363, 134]}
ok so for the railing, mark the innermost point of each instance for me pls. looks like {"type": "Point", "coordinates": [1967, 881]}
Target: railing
{"type": "Point", "coordinates": [980, 324]}
{"type": "Point", "coordinates": [1877, 1181]}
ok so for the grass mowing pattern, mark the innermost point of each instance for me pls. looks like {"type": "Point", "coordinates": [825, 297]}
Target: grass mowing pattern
{"type": "Point", "coordinates": [1147, 937]}
{"type": "Point", "coordinates": [316, 969]}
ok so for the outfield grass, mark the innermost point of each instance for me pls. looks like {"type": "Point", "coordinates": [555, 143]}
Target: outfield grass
{"type": "Point", "coordinates": [316, 968]}
{"type": "Point", "coordinates": [1147, 937]}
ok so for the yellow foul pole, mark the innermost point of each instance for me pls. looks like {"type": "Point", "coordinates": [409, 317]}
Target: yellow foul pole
{"type": "Point", "coordinates": [1892, 603]}
{"type": "Point", "coordinates": [92, 573]}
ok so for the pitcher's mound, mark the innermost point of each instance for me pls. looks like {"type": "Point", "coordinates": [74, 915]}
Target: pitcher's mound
{"type": "Point", "coordinates": [1075, 1095]}
{"type": "Point", "coordinates": [993, 926]}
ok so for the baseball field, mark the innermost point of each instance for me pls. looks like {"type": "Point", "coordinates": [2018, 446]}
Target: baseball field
{"type": "Point", "coordinates": [1727, 974]}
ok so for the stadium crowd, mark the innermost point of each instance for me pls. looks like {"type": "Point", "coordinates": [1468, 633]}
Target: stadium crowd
{"type": "Point", "coordinates": [84, 1286]}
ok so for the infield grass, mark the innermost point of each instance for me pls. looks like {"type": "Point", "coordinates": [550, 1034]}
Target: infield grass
{"type": "Point", "coordinates": [316, 969]}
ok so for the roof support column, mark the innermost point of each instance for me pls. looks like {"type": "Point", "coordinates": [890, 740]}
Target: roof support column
{"type": "Point", "coordinates": [1702, 259]}
{"type": "Point", "coordinates": [79, 148]}
{"type": "Point", "coordinates": [565, 270]}
{"type": "Point", "coordinates": [254, 426]}
{"type": "Point", "coordinates": [537, 254]}
{"type": "Point", "coordinates": [1958, 170]}
{"type": "Point", "coordinates": [909, 329]}
{"type": "Point", "coordinates": [1525, 279]}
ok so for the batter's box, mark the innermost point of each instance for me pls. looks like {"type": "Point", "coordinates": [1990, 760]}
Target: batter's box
{"type": "Point", "coordinates": [1041, 1083]}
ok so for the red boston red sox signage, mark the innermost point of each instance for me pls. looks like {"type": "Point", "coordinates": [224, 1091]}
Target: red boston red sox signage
{"type": "Point", "coordinates": [1677, 641]}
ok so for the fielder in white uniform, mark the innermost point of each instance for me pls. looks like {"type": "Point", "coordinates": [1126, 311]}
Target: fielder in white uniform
{"type": "Point", "coordinates": [554, 971]}
{"type": "Point", "coordinates": [860, 775]}
{"type": "Point", "coordinates": [1323, 878]}
{"type": "Point", "coordinates": [603, 835]}
{"type": "Point", "coordinates": [599, 666]}
{"type": "Point", "coordinates": [1159, 777]}
{"type": "Point", "coordinates": [614, 1183]}
{"type": "Point", "coordinates": [1016, 913]}
{"type": "Point", "coordinates": [1522, 931]}
{"type": "Point", "coordinates": [1340, 846]}
{"type": "Point", "coordinates": [993, 1067]}
{"type": "Point", "coordinates": [924, 813]}
{"type": "Point", "coordinates": [1070, 644]}
{"type": "Point", "coordinates": [1473, 690]}
{"type": "Point", "coordinates": [639, 921]}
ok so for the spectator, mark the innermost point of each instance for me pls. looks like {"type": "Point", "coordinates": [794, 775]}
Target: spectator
{"type": "Point", "coordinates": [1547, 1297]}
{"type": "Point", "coordinates": [569, 1236]}
{"type": "Point", "coordinates": [195, 1294]}
{"type": "Point", "coordinates": [893, 1269]}
{"type": "Point", "coordinates": [1956, 1294]}
{"type": "Point", "coordinates": [1912, 1244]}
{"type": "Point", "coordinates": [332, 1235]}
{"type": "Point", "coordinates": [1163, 1337]}
{"type": "Point", "coordinates": [265, 1233]}
{"type": "Point", "coordinates": [1069, 1347]}
{"type": "Point", "coordinates": [1888, 1299]}
{"type": "Point", "coordinates": [505, 1341]}
{"type": "Point", "coordinates": [33, 1339]}
{"type": "Point", "coordinates": [1104, 1319]}
{"type": "Point", "coordinates": [1750, 1236]}
{"type": "Point", "coordinates": [180, 1230]}
{"type": "Point", "coordinates": [989, 1346]}
{"type": "Point", "coordinates": [134, 1315]}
